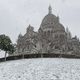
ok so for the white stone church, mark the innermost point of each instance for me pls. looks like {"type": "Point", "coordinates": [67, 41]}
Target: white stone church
{"type": "Point", "coordinates": [51, 37]}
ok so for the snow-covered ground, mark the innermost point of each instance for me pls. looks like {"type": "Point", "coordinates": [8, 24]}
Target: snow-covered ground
{"type": "Point", "coordinates": [2, 54]}
{"type": "Point", "coordinates": [41, 69]}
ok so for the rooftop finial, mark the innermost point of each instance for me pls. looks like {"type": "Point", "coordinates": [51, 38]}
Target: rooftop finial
{"type": "Point", "coordinates": [50, 9]}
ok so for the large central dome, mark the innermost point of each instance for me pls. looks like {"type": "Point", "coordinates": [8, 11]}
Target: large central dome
{"type": "Point", "coordinates": [49, 19]}
{"type": "Point", "coordinates": [51, 22]}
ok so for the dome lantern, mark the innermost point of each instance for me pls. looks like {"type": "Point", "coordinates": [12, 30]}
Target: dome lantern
{"type": "Point", "coordinates": [50, 9]}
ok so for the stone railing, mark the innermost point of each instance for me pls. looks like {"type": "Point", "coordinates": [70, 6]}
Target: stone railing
{"type": "Point", "coordinates": [40, 55]}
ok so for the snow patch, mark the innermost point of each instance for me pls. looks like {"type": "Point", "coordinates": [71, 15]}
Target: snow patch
{"type": "Point", "coordinates": [2, 54]}
{"type": "Point", "coordinates": [41, 69]}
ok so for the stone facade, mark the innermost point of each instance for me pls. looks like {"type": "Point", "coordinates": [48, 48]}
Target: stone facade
{"type": "Point", "coordinates": [50, 38]}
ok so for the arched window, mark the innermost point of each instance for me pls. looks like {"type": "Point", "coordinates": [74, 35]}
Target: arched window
{"type": "Point", "coordinates": [56, 36]}
{"type": "Point", "coordinates": [48, 33]}
{"type": "Point", "coordinates": [45, 33]}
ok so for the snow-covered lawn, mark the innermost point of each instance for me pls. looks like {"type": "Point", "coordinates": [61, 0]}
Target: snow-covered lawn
{"type": "Point", "coordinates": [41, 69]}
{"type": "Point", "coordinates": [2, 54]}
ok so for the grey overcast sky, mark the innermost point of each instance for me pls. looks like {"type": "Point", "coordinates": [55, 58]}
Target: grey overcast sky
{"type": "Point", "coordinates": [16, 15]}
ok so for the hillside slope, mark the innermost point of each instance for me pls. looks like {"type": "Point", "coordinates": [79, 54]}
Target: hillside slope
{"type": "Point", "coordinates": [41, 69]}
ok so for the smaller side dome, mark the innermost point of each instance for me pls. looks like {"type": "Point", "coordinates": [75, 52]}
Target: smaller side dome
{"type": "Point", "coordinates": [20, 36]}
{"type": "Point", "coordinates": [30, 29]}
